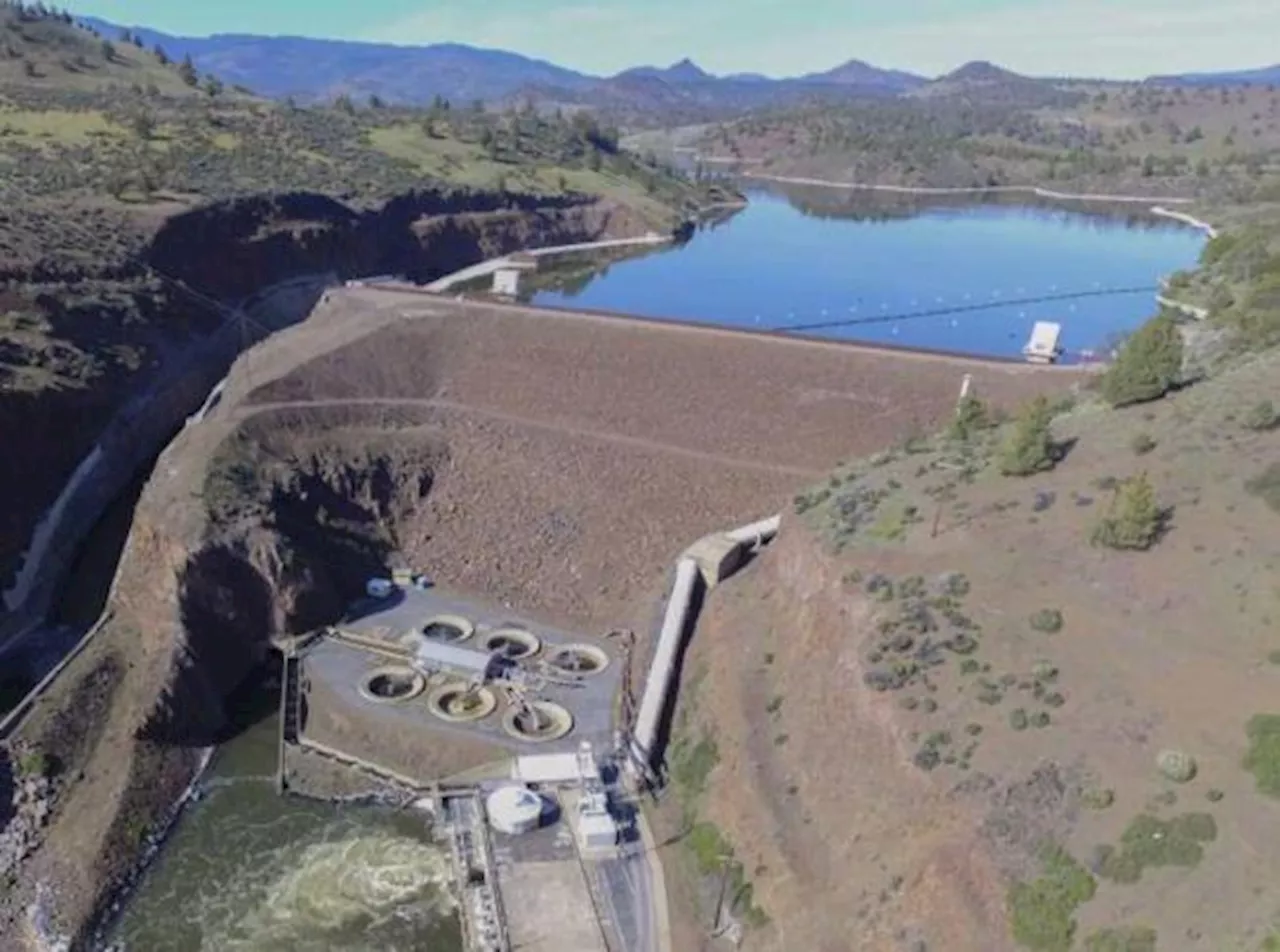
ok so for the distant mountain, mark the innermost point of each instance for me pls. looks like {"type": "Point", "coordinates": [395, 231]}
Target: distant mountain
{"type": "Point", "coordinates": [310, 69]}
{"type": "Point", "coordinates": [1266, 76]}
{"type": "Point", "coordinates": [857, 73]}
{"type": "Point", "coordinates": [639, 99]}
{"type": "Point", "coordinates": [986, 83]}
{"type": "Point", "coordinates": [685, 71]}
{"type": "Point", "coordinates": [980, 71]}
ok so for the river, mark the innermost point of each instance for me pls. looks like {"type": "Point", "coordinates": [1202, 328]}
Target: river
{"type": "Point", "coordinates": [964, 274]}
{"type": "Point", "coordinates": [247, 870]}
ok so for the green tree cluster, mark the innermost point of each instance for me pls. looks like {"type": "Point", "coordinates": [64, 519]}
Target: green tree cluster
{"type": "Point", "coordinates": [1029, 448]}
{"type": "Point", "coordinates": [971, 419]}
{"type": "Point", "coordinates": [1135, 518]}
{"type": "Point", "coordinates": [1148, 366]}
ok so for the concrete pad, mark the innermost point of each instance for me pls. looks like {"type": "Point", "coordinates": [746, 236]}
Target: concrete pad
{"type": "Point", "coordinates": [549, 908]}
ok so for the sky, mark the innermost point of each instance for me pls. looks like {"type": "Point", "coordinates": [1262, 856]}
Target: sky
{"type": "Point", "coordinates": [1119, 39]}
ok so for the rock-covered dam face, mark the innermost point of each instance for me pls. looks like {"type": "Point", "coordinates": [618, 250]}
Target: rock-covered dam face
{"type": "Point", "coordinates": [182, 343]}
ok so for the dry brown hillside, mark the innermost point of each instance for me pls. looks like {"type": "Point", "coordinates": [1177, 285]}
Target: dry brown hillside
{"type": "Point", "coordinates": [999, 735]}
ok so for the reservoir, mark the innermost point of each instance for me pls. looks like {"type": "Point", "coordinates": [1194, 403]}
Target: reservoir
{"type": "Point", "coordinates": [968, 275]}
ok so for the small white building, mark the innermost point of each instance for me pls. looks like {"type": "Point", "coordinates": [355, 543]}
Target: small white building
{"type": "Point", "coordinates": [572, 768]}
{"type": "Point", "coordinates": [514, 809]}
{"type": "Point", "coordinates": [1043, 347]}
{"type": "Point", "coordinates": [597, 829]}
{"type": "Point", "coordinates": [432, 656]}
{"type": "Point", "coordinates": [506, 281]}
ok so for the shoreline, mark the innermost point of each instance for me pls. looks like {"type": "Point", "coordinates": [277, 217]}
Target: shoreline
{"type": "Point", "coordinates": [1186, 219]}
{"type": "Point", "coordinates": [1157, 201]}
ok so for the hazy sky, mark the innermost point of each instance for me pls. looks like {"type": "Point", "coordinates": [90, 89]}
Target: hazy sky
{"type": "Point", "coordinates": [1117, 38]}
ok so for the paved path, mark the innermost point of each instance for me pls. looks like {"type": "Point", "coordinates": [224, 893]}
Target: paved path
{"type": "Point", "coordinates": [246, 410]}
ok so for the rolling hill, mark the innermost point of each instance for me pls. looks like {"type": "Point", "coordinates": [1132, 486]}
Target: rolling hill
{"type": "Point", "coordinates": [311, 70]}
{"type": "Point", "coordinates": [1264, 76]}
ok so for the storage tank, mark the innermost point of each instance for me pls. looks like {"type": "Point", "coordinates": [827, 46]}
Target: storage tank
{"type": "Point", "coordinates": [514, 809]}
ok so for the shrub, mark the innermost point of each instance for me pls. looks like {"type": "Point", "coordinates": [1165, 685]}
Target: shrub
{"type": "Point", "coordinates": [1134, 521]}
{"type": "Point", "coordinates": [1263, 758]}
{"type": "Point", "coordinates": [1029, 447]}
{"type": "Point", "coordinates": [1149, 841]}
{"type": "Point", "coordinates": [1142, 444]}
{"type": "Point", "coordinates": [1176, 765]}
{"type": "Point", "coordinates": [1097, 798]}
{"type": "Point", "coordinates": [1262, 416]}
{"type": "Point", "coordinates": [1123, 939]}
{"type": "Point", "coordinates": [1018, 719]}
{"type": "Point", "coordinates": [1048, 620]}
{"type": "Point", "coordinates": [1042, 912]}
{"type": "Point", "coordinates": [1147, 367]}
{"type": "Point", "coordinates": [1266, 486]}
{"type": "Point", "coordinates": [971, 418]}
{"type": "Point", "coordinates": [32, 763]}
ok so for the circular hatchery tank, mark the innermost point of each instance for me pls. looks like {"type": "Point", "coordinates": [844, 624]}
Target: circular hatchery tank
{"type": "Point", "coordinates": [513, 643]}
{"type": "Point", "coordinates": [392, 684]}
{"type": "Point", "coordinates": [580, 660]}
{"type": "Point", "coordinates": [537, 721]}
{"type": "Point", "coordinates": [448, 628]}
{"type": "Point", "coordinates": [461, 702]}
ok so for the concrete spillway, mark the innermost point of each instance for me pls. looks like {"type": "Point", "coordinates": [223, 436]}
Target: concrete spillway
{"type": "Point", "coordinates": [675, 622]}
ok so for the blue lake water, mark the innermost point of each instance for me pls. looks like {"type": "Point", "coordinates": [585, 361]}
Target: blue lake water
{"type": "Point", "coordinates": [865, 270]}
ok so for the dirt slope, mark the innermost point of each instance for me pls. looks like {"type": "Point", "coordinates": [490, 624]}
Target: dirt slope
{"type": "Point", "coordinates": [884, 781]}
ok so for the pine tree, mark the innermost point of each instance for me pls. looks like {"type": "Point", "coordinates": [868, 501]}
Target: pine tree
{"type": "Point", "coordinates": [1029, 447]}
{"type": "Point", "coordinates": [1135, 519]}
{"type": "Point", "coordinates": [187, 70]}
{"type": "Point", "coordinates": [971, 418]}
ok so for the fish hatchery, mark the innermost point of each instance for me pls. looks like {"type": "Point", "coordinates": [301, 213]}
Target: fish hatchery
{"type": "Point", "coordinates": [544, 838]}
{"type": "Point", "coordinates": [526, 743]}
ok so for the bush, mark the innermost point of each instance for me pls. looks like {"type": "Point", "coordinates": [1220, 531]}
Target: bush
{"type": "Point", "coordinates": [1266, 486]}
{"type": "Point", "coordinates": [1147, 367]}
{"type": "Point", "coordinates": [1048, 620]}
{"type": "Point", "coordinates": [1123, 939]}
{"type": "Point", "coordinates": [1042, 911]}
{"type": "Point", "coordinates": [32, 763]}
{"type": "Point", "coordinates": [971, 419]}
{"type": "Point", "coordinates": [1150, 842]}
{"type": "Point", "coordinates": [1142, 444]}
{"type": "Point", "coordinates": [1176, 765]}
{"type": "Point", "coordinates": [1134, 521]}
{"type": "Point", "coordinates": [1097, 798]}
{"type": "Point", "coordinates": [1263, 758]}
{"type": "Point", "coordinates": [1029, 448]}
{"type": "Point", "coordinates": [1262, 417]}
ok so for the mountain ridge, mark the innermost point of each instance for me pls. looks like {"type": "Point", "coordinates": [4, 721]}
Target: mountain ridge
{"type": "Point", "coordinates": [315, 69]}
